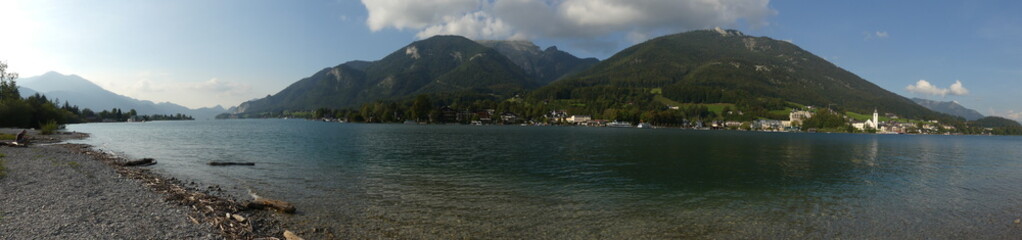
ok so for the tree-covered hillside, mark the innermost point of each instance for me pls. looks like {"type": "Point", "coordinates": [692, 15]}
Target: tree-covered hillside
{"type": "Point", "coordinates": [441, 64]}
{"type": "Point", "coordinates": [725, 66]}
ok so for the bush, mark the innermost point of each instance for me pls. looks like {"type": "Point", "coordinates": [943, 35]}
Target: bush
{"type": "Point", "coordinates": [4, 136]}
{"type": "Point", "coordinates": [49, 127]}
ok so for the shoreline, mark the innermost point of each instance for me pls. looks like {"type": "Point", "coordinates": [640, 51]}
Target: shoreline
{"type": "Point", "coordinates": [58, 190]}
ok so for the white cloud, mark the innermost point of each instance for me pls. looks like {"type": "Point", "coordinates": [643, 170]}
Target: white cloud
{"type": "Point", "coordinates": [402, 14]}
{"type": "Point", "coordinates": [958, 89]}
{"type": "Point", "coordinates": [566, 19]}
{"type": "Point", "coordinates": [876, 35]}
{"type": "Point", "coordinates": [163, 87]}
{"type": "Point", "coordinates": [220, 87]}
{"type": "Point", "coordinates": [925, 87]}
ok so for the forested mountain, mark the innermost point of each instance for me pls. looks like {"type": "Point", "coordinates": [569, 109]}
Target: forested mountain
{"type": "Point", "coordinates": [726, 66]}
{"type": "Point", "coordinates": [85, 94]}
{"type": "Point", "coordinates": [952, 108]}
{"type": "Point", "coordinates": [438, 65]}
{"type": "Point", "coordinates": [544, 65]}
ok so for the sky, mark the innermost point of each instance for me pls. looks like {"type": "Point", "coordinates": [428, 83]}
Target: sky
{"type": "Point", "coordinates": [201, 53]}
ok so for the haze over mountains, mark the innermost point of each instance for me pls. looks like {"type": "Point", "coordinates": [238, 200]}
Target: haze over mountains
{"type": "Point", "coordinates": [79, 91]}
{"type": "Point", "coordinates": [950, 107]}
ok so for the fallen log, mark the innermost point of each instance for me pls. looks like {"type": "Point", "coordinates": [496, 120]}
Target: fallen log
{"type": "Point", "coordinates": [220, 163]}
{"type": "Point", "coordinates": [140, 162]}
{"type": "Point", "coordinates": [262, 203]}
{"type": "Point", "coordinates": [288, 235]}
{"type": "Point", "coordinates": [12, 144]}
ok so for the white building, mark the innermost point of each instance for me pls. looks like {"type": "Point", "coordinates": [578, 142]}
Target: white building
{"type": "Point", "coordinates": [579, 118]}
{"type": "Point", "coordinates": [873, 123]}
{"type": "Point", "coordinates": [797, 117]}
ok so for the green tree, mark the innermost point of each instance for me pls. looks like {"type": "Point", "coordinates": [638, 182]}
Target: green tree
{"type": "Point", "coordinates": [421, 108]}
{"type": "Point", "coordinates": [8, 88]}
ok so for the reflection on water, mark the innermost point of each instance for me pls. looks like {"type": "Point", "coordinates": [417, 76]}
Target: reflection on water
{"type": "Point", "coordinates": [368, 181]}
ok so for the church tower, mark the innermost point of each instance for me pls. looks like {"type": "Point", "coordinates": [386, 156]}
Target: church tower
{"type": "Point", "coordinates": [876, 120]}
{"type": "Point", "coordinates": [876, 117]}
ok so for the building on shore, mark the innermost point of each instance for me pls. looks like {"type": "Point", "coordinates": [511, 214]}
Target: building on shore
{"type": "Point", "coordinates": [577, 119]}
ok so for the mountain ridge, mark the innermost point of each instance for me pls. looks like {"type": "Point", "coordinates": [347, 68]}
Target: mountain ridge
{"type": "Point", "coordinates": [439, 64]}
{"type": "Point", "coordinates": [727, 66]}
{"type": "Point", "coordinates": [950, 107]}
{"type": "Point", "coordinates": [80, 91]}
{"type": "Point", "coordinates": [546, 65]}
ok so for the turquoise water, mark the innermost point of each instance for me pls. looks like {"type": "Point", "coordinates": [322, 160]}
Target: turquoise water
{"type": "Point", "coordinates": [429, 181]}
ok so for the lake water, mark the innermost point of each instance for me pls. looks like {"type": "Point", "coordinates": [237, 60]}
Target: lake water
{"type": "Point", "coordinates": [430, 181]}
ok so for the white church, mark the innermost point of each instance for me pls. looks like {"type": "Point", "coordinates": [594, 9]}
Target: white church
{"type": "Point", "coordinates": [873, 123]}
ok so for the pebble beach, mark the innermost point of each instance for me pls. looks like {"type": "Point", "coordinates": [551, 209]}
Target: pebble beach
{"type": "Point", "coordinates": [53, 190]}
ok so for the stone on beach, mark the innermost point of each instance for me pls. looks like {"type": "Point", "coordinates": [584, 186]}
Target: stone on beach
{"type": "Point", "coordinates": [291, 235]}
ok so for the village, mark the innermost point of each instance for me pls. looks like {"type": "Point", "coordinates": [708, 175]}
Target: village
{"type": "Point", "coordinates": [888, 124]}
{"type": "Point", "coordinates": [794, 124]}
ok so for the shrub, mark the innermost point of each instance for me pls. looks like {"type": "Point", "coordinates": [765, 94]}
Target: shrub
{"type": "Point", "coordinates": [49, 127]}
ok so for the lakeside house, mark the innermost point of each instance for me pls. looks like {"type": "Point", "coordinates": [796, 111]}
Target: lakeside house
{"type": "Point", "coordinates": [798, 116]}
{"type": "Point", "coordinates": [509, 117]}
{"type": "Point", "coordinates": [579, 119]}
{"type": "Point", "coordinates": [768, 125]}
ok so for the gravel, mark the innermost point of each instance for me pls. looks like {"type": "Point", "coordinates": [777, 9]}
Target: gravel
{"type": "Point", "coordinates": [51, 192]}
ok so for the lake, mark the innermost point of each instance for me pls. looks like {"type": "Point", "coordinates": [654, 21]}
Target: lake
{"type": "Point", "coordinates": [456, 181]}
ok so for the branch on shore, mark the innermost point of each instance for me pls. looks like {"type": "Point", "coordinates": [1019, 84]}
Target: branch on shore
{"type": "Point", "coordinates": [140, 162]}
{"type": "Point", "coordinates": [263, 203]}
{"type": "Point", "coordinates": [219, 163]}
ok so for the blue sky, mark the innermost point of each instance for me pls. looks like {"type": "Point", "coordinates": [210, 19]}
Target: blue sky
{"type": "Point", "coordinates": [203, 53]}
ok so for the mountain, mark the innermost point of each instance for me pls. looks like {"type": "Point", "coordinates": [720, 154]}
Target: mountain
{"type": "Point", "coordinates": [952, 108]}
{"type": "Point", "coordinates": [996, 122]}
{"type": "Point", "coordinates": [79, 91]}
{"type": "Point", "coordinates": [726, 66]}
{"type": "Point", "coordinates": [441, 64]}
{"type": "Point", "coordinates": [545, 65]}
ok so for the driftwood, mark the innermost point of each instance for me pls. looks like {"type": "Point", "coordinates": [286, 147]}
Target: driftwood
{"type": "Point", "coordinates": [21, 140]}
{"type": "Point", "coordinates": [219, 163]}
{"type": "Point", "coordinates": [12, 144]}
{"type": "Point", "coordinates": [288, 235]}
{"type": "Point", "coordinates": [140, 162]}
{"type": "Point", "coordinates": [262, 203]}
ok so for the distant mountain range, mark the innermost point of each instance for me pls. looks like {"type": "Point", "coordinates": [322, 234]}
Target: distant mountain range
{"type": "Point", "coordinates": [950, 107]}
{"type": "Point", "coordinates": [438, 65]}
{"type": "Point", "coordinates": [85, 94]}
{"type": "Point", "coordinates": [704, 66]}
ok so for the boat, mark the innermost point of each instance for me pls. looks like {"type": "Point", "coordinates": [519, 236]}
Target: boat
{"type": "Point", "coordinates": [617, 124]}
{"type": "Point", "coordinates": [644, 125]}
